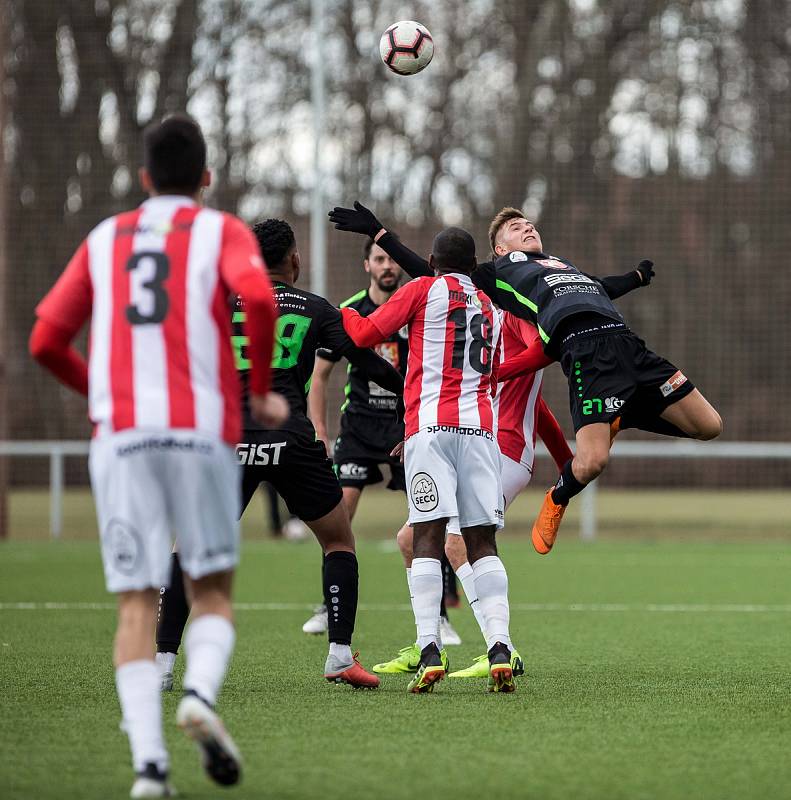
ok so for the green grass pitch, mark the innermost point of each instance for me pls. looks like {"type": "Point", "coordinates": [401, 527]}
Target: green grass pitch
{"type": "Point", "coordinates": [657, 667]}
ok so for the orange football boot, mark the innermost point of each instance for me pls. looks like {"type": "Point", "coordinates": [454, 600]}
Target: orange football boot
{"type": "Point", "coordinates": [545, 528]}
{"type": "Point", "coordinates": [355, 675]}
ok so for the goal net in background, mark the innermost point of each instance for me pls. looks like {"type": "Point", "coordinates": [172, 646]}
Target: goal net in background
{"type": "Point", "coordinates": [629, 129]}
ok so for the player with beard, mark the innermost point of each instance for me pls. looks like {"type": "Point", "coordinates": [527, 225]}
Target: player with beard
{"type": "Point", "coordinates": [615, 381]}
{"type": "Point", "coordinates": [369, 428]}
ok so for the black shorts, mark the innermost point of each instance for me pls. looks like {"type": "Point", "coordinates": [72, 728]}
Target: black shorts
{"type": "Point", "coordinates": [363, 444]}
{"type": "Point", "coordinates": [296, 465]}
{"type": "Point", "coordinates": [610, 372]}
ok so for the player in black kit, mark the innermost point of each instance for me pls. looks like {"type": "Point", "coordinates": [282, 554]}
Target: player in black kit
{"type": "Point", "coordinates": [615, 381]}
{"type": "Point", "coordinates": [369, 429]}
{"type": "Point", "coordinates": [291, 459]}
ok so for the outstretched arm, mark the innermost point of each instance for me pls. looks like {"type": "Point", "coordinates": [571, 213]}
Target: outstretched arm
{"type": "Point", "coordinates": [362, 220]}
{"type": "Point", "coordinates": [618, 285]}
{"type": "Point", "coordinates": [340, 343]}
{"type": "Point", "coordinates": [388, 318]}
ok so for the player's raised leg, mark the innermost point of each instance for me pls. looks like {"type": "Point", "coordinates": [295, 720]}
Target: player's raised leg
{"type": "Point", "coordinates": [592, 456]}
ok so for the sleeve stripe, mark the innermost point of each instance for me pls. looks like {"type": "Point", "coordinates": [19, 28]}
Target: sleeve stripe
{"type": "Point", "coordinates": [354, 298]}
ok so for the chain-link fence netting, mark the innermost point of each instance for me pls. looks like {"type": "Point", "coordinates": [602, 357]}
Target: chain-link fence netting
{"type": "Point", "coordinates": [627, 129]}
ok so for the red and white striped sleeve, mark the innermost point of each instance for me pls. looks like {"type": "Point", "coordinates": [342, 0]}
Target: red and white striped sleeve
{"type": "Point", "coordinates": [398, 311]}
{"type": "Point", "coordinates": [68, 303]}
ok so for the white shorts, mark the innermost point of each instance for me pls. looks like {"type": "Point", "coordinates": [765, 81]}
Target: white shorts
{"type": "Point", "coordinates": [515, 478]}
{"type": "Point", "coordinates": [149, 486]}
{"type": "Point", "coordinates": [453, 473]}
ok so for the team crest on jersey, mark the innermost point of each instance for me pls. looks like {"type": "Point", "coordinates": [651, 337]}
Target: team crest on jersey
{"type": "Point", "coordinates": [123, 544]}
{"type": "Point", "coordinates": [389, 352]}
{"type": "Point", "coordinates": [552, 263]}
{"type": "Point", "coordinates": [518, 255]}
{"type": "Point", "coordinates": [424, 493]}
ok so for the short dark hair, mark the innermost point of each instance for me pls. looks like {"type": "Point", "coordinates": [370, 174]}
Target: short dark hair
{"type": "Point", "coordinates": [369, 243]}
{"type": "Point", "coordinates": [276, 239]}
{"type": "Point", "coordinates": [454, 250]}
{"type": "Point", "coordinates": [174, 153]}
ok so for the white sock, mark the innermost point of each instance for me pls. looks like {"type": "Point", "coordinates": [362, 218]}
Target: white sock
{"type": "Point", "coordinates": [208, 645]}
{"type": "Point", "coordinates": [341, 651]}
{"type": "Point", "coordinates": [491, 584]}
{"type": "Point", "coordinates": [166, 662]}
{"type": "Point", "coordinates": [467, 580]}
{"type": "Point", "coordinates": [138, 684]}
{"type": "Point", "coordinates": [411, 591]}
{"type": "Point", "coordinates": [426, 598]}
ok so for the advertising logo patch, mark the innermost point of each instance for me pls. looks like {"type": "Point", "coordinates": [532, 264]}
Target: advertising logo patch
{"type": "Point", "coordinates": [124, 546]}
{"type": "Point", "coordinates": [424, 492]}
{"type": "Point", "coordinates": [670, 386]}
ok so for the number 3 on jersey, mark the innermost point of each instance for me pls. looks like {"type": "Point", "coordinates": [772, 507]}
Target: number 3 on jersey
{"type": "Point", "coordinates": [290, 333]}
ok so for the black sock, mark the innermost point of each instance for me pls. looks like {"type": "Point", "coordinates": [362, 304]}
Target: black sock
{"type": "Point", "coordinates": [173, 610]}
{"type": "Point", "coordinates": [651, 423]}
{"type": "Point", "coordinates": [340, 578]}
{"type": "Point", "coordinates": [567, 486]}
{"type": "Point", "coordinates": [449, 587]}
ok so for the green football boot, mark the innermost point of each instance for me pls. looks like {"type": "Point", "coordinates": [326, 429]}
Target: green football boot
{"type": "Point", "coordinates": [480, 667]}
{"type": "Point", "coordinates": [406, 662]}
{"type": "Point", "coordinates": [430, 671]}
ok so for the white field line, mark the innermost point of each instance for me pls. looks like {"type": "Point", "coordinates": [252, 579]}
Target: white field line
{"type": "Point", "coordinates": [667, 608]}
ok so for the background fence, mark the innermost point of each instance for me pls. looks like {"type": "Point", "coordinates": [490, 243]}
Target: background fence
{"type": "Point", "coordinates": [628, 129]}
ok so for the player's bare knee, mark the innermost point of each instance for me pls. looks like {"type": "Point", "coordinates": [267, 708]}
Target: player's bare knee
{"type": "Point", "coordinates": [590, 466]}
{"type": "Point", "coordinates": [455, 550]}
{"type": "Point", "coordinates": [404, 537]}
{"type": "Point", "coordinates": [710, 428]}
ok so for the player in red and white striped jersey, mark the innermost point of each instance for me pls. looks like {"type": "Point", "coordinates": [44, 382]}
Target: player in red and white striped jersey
{"type": "Point", "coordinates": [165, 401]}
{"type": "Point", "coordinates": [451, 456]}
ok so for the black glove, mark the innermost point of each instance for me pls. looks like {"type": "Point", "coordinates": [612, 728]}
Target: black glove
{"type": "Point", "coordinates": [645, 270]}
{"type": "Point", "coordinates": [357, 220]}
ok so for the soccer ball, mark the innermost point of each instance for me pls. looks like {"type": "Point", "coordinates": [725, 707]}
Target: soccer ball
{"type": "Point", "coordinates": [406, 47]}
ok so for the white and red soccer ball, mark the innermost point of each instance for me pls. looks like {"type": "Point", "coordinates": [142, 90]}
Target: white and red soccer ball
{"type": "Point", "coordinates": [406, 47]}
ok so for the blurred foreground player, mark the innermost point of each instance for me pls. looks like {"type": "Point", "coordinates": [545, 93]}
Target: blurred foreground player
{"type": "Point", "coordinates": [164, 399]}
{"type": "Point", "coordinates": [291, 459]}
{"type": "Point", "coordinates": [450, 453]}
{"type": "Point", "coordinates": [369, 427]}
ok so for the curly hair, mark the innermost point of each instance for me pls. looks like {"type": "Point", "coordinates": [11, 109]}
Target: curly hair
{"type": "Point", "coordinates": [275, 238]}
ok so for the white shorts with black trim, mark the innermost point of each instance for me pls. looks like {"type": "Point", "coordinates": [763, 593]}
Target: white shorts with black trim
{"type": "Point", "coordinates": [454, 472]}
{"type": "Point", "coordinates": [515, 478]}
{"type": "Point", "coordinates": [151, 486]}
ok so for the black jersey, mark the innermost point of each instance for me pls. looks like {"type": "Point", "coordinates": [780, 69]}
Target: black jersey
{"type": "Point", "coordinates": [363, 395]}
{"type": "Point", "coordinates": [543, 289]}
{"type": "Point", "coordinates": [306, 322]}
